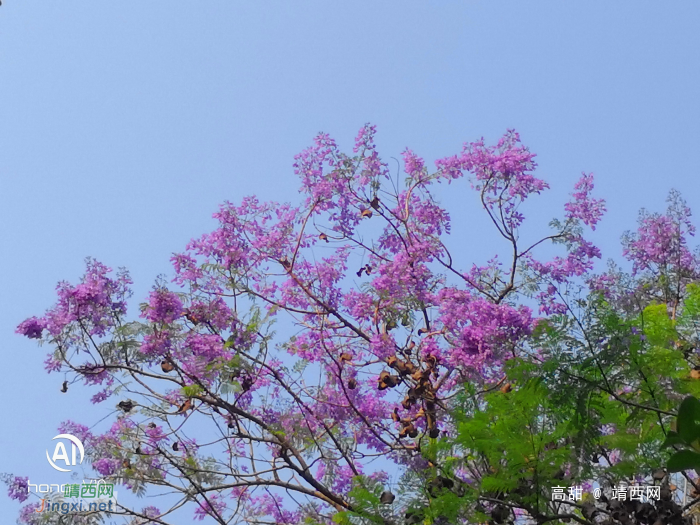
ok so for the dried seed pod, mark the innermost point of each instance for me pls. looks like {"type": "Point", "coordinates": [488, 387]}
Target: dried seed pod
{"type": "Point", "coordinates": [417, 375]}
{"type": "Point", "coordinates": [352, 383]}
{"type": "Point", "coordinates": [386, 380]}
{"type": "Point", "coordinates": [126, 405]}
{"type": "Point", "coordinates": [345, 356]}
{"type": "Point", "coordinates": [431, 360]}
{"type": "Point", "coordinates": [506, 388]}
{"type": "Point", "coordinates": [187, 405]}
{"type": "Point", "coordinates": [166, 366]}
{"type": "Point", "coordinates": [409, 430]}
{"type": "Point", "coordinates": [323, 237]}
{"type": "Point", "coordinates": [387, 498]}
{"type": "Point", "coordinates": [365, 213]}
{"type": "Point", "coordinates": [375, 203]}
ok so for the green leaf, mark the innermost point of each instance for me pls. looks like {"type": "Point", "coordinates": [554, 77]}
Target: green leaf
{"type": "Point", "coordinates": [688, 418]}
{"type": "Point", "coordinates": [192, 390]}
{"type": "Point", "coordinates": [672, 438]}
{"type": "Point", "coordinates": [341, 518]}
{"type": "Point", "coordinates": [684, 460]}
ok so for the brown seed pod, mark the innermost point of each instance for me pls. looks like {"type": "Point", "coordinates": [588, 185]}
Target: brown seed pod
{"type": "Point", "coordinates": [345, 356]}
{"type": "Point", "coordinates": [366, 213]}
{"type": "Point", "coordinates": [408, 402]}
{"type": "Point", "coordinates": [352, 383]}
{"type": "Point", "coordinates": [375, 203]}
{"type": "Point", "coordinates": [386, 380]}
{"type": "Point", "coordinates": [387, 498]}
{"type": "Point", "coordinates": [187, 405]}
{"type": "Point", "coordinates": [166, 366]}
{"type": "Point", "coordinates": [408, 430]}
{"type": "Point", "coordinates": [506, 388]}
{"type": "Point", "coordinates": [323, 237]}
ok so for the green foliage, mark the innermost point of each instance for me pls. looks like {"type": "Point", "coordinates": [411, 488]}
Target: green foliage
{"type": "Point", "coordinates": [192, 390]}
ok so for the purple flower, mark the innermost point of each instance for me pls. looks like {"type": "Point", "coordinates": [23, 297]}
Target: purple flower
{"type": "Point", "coordinates": [31, 327]}
{"type": "Point", "coordinates": [163, 307]}
{"type": "Point", "coordinates": [106, 466]}
{"type": "Point", "coordinates": [586, 209]}
{"type": "Point", "coordinates": [213, 507]}
{"type": "Point", "coordinates": [18, 488]}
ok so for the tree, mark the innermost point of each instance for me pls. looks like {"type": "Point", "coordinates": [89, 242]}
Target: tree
{"type": "Point", "coordinates": [591, 401]}
{"type": "Point", "coordinates": [383, 330]}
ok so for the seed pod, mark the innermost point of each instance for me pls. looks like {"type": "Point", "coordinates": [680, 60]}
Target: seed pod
{"type": "Point", "coordinates": [126, 405]}
{"type": "Point", "coordinates": [386, 380]}
{"type": "Point", "coordinates": [409, 430]}
{"type": "Point", "coordinates": [506, 388]}
{"type": "Point", "coordinates": [365, 213]}
{"type": "Point", "coordinates": [166, 366]}
{"type": "Point", "coordinates": [375, 203]}
{"type": "Point", "coordinates": [387, 498]}
{"type": "Point", "coordinates": [408, 402]}
{"type": "Point", "coordinates": [184, 407]}
{"type": "Point", "coordinates": [352, 383]}
{"type": "Point", "coordinates": [323, 237]}
{"type": "Point", "coordinates": [345, 356]}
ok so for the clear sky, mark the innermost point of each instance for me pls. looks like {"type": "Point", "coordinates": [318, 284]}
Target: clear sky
{"type": "Point", "coordinates": [124, 124]}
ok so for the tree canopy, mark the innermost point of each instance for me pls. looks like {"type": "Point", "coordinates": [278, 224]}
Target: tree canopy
{"type": "Point", "coordinates": [332, 361]}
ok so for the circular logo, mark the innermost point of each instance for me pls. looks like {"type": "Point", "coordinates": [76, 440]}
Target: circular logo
{"type": "Point", "coordinates": [60, 453]}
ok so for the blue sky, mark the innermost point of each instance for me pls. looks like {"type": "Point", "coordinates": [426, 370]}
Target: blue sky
{"type": "Point", "coordinates": [124, 124]}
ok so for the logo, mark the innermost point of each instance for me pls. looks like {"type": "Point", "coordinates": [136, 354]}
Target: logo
{"type": "Point", "coordinates": [60, 452]}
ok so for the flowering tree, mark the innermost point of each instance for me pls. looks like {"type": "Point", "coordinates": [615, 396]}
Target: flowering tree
{"type": "Point", "coordinates": [392, 354]}
{"type": "Point", "coordinates": [591, 399]}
